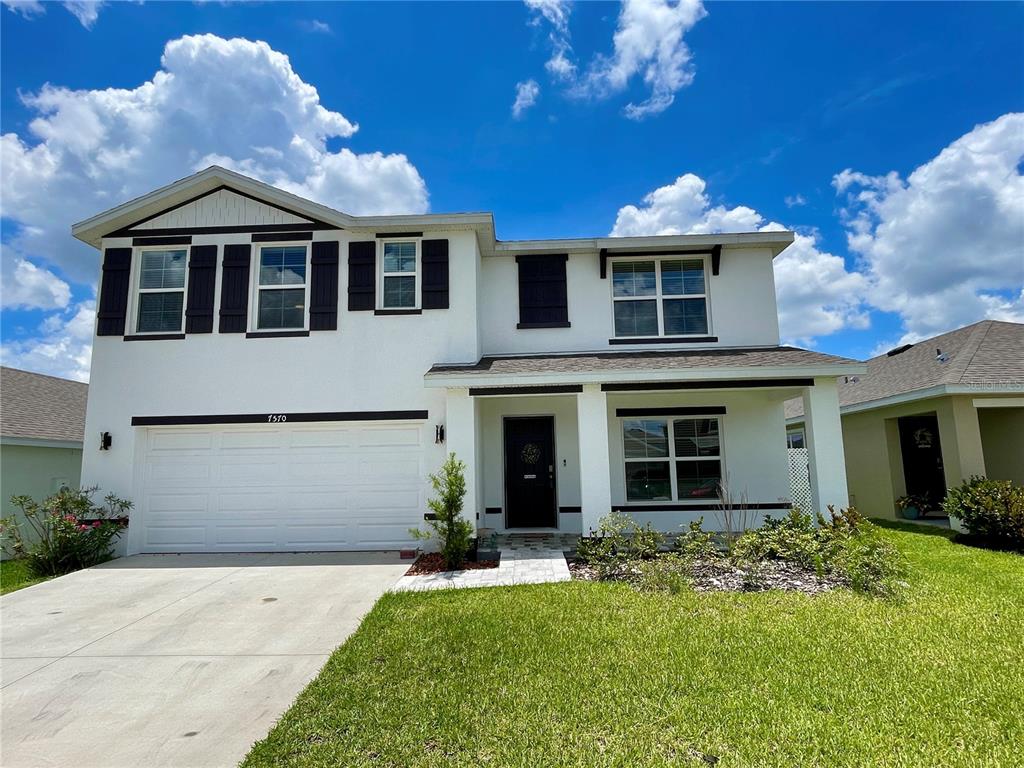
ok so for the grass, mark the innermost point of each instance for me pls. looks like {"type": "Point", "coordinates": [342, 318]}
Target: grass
{"type": "Point", "coordinates": [14, 575]}
{"type": "Point", "coordinates": [590, 674]}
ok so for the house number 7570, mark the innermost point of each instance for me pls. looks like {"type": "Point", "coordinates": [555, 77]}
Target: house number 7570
{"type": "Point", "coordinates": [277, 418]}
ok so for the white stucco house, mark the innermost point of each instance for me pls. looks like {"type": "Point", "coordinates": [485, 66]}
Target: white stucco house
{"type": "Point", "coordinates": [272, 374]}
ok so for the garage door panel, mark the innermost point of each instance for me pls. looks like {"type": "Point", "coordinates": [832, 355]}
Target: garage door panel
{"type": "Point", "coordinates": [252, 440]}
{"type": "Point", "coordinates": [301, 487]}
{"type": "Point", "coordinates": [175, 440]}
{"type": "Point", "coordinates": [389, 436]}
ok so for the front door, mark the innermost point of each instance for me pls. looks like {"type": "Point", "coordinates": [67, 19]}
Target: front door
{"type": "Point", "coordinates": [530, 472]}
{"type": "Point", "coordinates": [922, 457]}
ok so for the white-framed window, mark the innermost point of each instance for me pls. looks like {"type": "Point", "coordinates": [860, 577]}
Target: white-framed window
{"type": "Point", "coordinates": [160, 292]}
{"type": "Point", "coordinates": [663, 296]}
{"type": "Point", "coordinates": [795, 438]}
{"type": "Point", "coordinates": [672, 459]}
{"type": "Point", "coordinates": [399, 274]}
{"type": "Point", "coordinates": [282, 287]}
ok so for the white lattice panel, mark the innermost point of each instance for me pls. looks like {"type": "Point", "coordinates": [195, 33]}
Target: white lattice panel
{"type": "Point", "coordinates": [800, 479]}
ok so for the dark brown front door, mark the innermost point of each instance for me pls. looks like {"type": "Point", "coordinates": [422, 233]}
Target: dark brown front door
{"type": "Point", "coordinates": [530, 472]}
{"type": "Point", "coordinates": [922, 457]}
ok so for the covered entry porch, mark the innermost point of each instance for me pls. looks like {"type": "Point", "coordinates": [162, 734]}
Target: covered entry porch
{"type": "Point", "coordinates": [557, 450]}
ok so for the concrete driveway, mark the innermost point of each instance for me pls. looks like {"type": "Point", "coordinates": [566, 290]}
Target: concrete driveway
{"type": "Point", "coordinates": [172, 660]}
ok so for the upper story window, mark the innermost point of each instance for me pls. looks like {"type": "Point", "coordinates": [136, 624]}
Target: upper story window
{"type": "Point", "coordinates": [660, 297]}
{"type": "Point", "coordinates": [282, 283]}
{"type": "Point", "coordinates": [399, 273]}
{"type": "Point", "coordinates": [672, 459]}
{"type": "Point", "coordinates": [161, 294]}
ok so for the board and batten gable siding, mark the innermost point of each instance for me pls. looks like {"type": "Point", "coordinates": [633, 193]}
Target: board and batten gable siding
{"type": "Point", "coordinates": [742, 308]}
{"type": "Point", "coordinates": [221, 208]}
{"type": "Point", "coordinates": [370, 363]}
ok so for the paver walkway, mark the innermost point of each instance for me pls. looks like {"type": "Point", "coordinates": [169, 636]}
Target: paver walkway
{"type": "Point", "coordinates": [517, 566]}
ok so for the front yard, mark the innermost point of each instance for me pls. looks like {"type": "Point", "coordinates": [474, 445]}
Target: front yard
{"type": "Point", "coordinates": [14, 575]}
{"type": "Point", "coordinates": [597, 674]}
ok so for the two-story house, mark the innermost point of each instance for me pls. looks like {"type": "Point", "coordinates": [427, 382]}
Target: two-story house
{"type": "Point", "coordinates": [272, 374]}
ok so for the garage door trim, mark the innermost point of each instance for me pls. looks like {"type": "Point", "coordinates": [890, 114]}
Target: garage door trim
{"type": "Point", "coordinates": [277, 418]}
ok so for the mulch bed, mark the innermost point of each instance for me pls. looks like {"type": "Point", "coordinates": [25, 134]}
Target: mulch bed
{"type": "Point", "coordinates": [433, 562]}
{"type": "Point", "coordinates": [722, 576]}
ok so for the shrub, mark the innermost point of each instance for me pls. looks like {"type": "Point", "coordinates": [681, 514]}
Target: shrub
{"type": "Point", "coordinates": [452, 530]}
{"type": "Point", "coordinates": [669, 573]}
{"type": "Point", "coordinates": [992, 510]}
{"type": "Point", "coordinates": [617, 543]}
{"type": "Point", "coordinates": [66, 532]}
{"type": "Point", "coordinates": [869, 562]}
{"type": "Point", "coordinates": [645, 543]}
{"type": "Point", "coordinates": [696, 543]}
{"type": "Point", "coordinates": [792, 539]}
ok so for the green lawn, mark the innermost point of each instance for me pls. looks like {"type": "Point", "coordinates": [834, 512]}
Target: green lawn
{"type": "Point", "coordinates": [599, 675]}
{"type": "Point", "coordinates": [14, 575]}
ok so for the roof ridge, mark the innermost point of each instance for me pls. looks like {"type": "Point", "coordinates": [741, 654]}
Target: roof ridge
{"type": "Point", "coordinates": [973, 346]}
{"type": "Point", "coordinates": [44, 375]}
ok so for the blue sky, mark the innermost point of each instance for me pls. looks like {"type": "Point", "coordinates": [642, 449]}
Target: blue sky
{"type": "Point", "coordinates": [747, 117]}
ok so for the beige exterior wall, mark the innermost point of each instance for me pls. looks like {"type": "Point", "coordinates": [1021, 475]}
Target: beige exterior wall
{"type": "Point", "coordinates": [1002, 439]}
{"type": "Point", "coordinates": [975, 441]}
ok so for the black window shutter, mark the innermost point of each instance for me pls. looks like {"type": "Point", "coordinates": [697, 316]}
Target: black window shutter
{"type": "Point", "coordinates": [323, 287]}
{"type": "Point", "coordinates": [362, 260]}
{"type": "Point", "coordinates": [110, 317]}
{"type": "Point", "coordinates": [234, 288]}
{"type": "Point", "coordinates": [542, 292]}
{"type": "Point", "coordinates": [202, 282]}
{"type": "Point", "coordinates": [435, 274]}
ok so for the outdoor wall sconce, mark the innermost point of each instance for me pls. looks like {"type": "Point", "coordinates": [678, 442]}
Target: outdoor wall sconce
{"type": "Point", "coordinates": [105, 441]}
{"type": "Point", "coordinates": [439, 434]}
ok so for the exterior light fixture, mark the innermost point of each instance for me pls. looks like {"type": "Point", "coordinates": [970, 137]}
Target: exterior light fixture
{"type": "Point", "coordinates": [105, 441]}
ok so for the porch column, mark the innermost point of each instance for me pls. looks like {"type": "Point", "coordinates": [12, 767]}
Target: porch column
{"type": "Point", "coordinates": [595, 475]}
{"type": "Point", "coordinates": [966, 456]}
{"type": "Point", "coordinates": [461, 439]}
{"type": "Point", "coordinates": [824, 433]}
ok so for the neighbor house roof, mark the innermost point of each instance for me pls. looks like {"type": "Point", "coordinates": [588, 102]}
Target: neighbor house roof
{"type": "Point", "coordinates": [38, 407]}
{"type": "Point", "coordinates": [209, 180]}
{"type": "Point", "coordinates": [985, 357]}
{"type": "Point", "coordinates": [682, 364]}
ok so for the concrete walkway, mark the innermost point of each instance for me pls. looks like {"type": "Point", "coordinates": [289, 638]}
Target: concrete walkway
{"type": "Point", "coordinates": [517, 566]}
{"type": "Point", "coordinates": [172, 660]}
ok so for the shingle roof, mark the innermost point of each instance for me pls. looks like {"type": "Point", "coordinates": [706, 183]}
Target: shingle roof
{"type": "Point", "coordinates": [989, 352]}
{"type": "Point", "coordinates": [41, 407]}
{"type": "Point", "coordinates": [598, 362]}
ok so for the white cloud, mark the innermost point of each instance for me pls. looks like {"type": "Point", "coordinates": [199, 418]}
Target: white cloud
{"type": "Point", "coordinates": [62, 348]}
{"type": "Point", "coordinates": [236, 102]}
{"type": "Point", "coordinates": [86, 11]}
{"type": "Point", "coordinates": [816, 294]}
{"type": "Point", "coordinates": [648, 42]}
{"type": "Point", "coordinates": [526, 97]}
{"type": "Point", "coordinates": [794, 201]}
{"type": "Point", "coordinates": [26, 286]}
{"type": "Point", "coordinates": [315, 25]}
{"type": "Point", "coordinates": [556, 12]}
{"type": "Point", "coordinates": [26, 8]}
{"type": "Point", "coordinates": [945, 247]}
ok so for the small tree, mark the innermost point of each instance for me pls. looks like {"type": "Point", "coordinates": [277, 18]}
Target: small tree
{"type": "Point", "coordinates": [451, 529]}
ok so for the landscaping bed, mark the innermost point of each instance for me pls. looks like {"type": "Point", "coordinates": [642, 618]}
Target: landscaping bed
{"type": "Point", "coordinates": [722, 576]}
{"type": "Point", "coordinates": [433, 562]}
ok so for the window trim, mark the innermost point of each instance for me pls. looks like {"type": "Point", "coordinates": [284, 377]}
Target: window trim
{"type": "Point", "coordinates": [418, 275]}
{"type": "Point", "coordinates": [658, 297]}
{"type": "Point", "coordinates": [796, 431]}
{"type": "Point", "coordinates": [671, 459]}
{"type": "Point", "coordinates": [255, 287]}
{"type": "Point", "coordinates": [136, 290]}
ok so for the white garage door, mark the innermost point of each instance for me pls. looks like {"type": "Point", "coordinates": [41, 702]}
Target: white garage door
{"type": "Point", "coordinates": [285, 488]}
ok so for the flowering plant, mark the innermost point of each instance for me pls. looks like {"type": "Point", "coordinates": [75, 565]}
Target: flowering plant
{"type": "Point", "coordinates": [65, 532]}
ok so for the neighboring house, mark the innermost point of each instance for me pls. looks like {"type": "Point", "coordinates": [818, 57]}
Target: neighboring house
{"type": "Point", "coordinates": [42, 420]}
{"type": "Point", "coordinates": [927, 416]}
{"type": "Point", "coordinates": [275, 374]}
